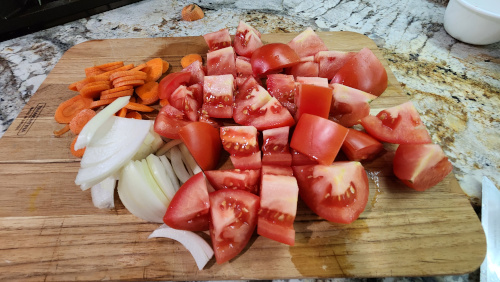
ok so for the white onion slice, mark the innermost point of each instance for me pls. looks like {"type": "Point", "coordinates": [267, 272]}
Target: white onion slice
{"type": "Point", "coordinates": [178, 165]}
{"type": "Point", "coordinates": [103, 193]}
{"type": "Point", "coordinates": [190, 161]}
{"type": "Point", "coordinates": [93, 125]}
{"type": "Point", "coordinates": [165, 148]}
{"type": "Point", "coordinates": [160, 175]}
{"type": "Point", "coordinates": [199, 248]}
{"type": "Point", "coordinates": [170, 172]}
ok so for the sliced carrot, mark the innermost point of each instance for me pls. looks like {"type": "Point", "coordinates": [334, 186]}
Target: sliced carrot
{"type": "Point", "coordinates": [109, 65]}
{"type": "Point", "coordinates": [80, 120]}
{"type": "Point", "coordinates": [113, 67]}
{"type": "Point", "coordinates": [122, 112]}
{"type": "Point", "coordinates": [129, 77]}
{"type": "Point", "coordinates": [132, 99]}
{"type": "Point", "coordinates": [136, 82]}
{"type": "Point", "coordinates": [102, 102]}
{"type": "Point", "coordinates": [192, 12]}
{"type": "Point", "coordinates": [189, 59]}
{"type": "Point", "coordinates": [124, 68]}
{"type": "Point", "coordinates": [164, 102]}
{"type": "Point", "coordinates": [155, 69]}
{"type": "Point", "coordinates": [80, 84]}
{"type": "Point", "coordinates": [128, 92]}
{"type": "Point", "coordinates": [134, 114]}
{"type": "Point", "coordinates": [139, 107]}
{"type": "Point", "coordinates": [93, 71]}
{"type": "Point", "coordinates": [72, 86]}
{"type": "Point", "coordinates": [148, 92]}
{"type": "Point", "coordinates": [165, 66]}
{"type": "Point", "coordinates": [61, 131]}
{"type": "Point", "coordinates": [119, 74]}
{"type": "Point", "coordinates": [116, 89]}
{"type": "Point", "coordinates": [139, 67]}
{"type": "Point", "coordinates": [70, 108]}
{"type": "Point", "coordinates": [93, 91]}
{"type": "Point", "coordinates": [78, 153]}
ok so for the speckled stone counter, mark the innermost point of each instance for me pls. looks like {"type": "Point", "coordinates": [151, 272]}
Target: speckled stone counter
{"type": "Point", "coordinates": [454, 86]}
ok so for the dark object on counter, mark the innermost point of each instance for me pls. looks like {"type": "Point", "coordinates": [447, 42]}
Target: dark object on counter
{"type": "Point", "coordinates": [20, 17]}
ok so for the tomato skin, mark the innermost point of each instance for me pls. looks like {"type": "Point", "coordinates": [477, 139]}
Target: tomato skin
{"type": "Point", "coordinates": [282, 87]}
{"type": "Point", "coordinates": [331, 61]}
{"type": "Point", "coordinates": [189, 209]}
{"type": "Point", "coordinates": [314, 100]}
{"type": "Point", "coordinates": [301, 159]}
{"type": "Point", "coordinates": [359, 146]}
{"type": "Point", "coordinates": [169, 121]}
{"type": "Point", "coordinates": [318, 138]}
{"type": "Point", "coordinates": [363, 71]}
{"type": "Point", "coordinates": [277, 170]}
{"type": "Point", "coordinates": [246, 40]}
{"type": "Point", "coordinates": [171, 82]}
{"type": "Point", "coordinates": [349, 105]}
{"type": "Point", "coordinates": [337, 193]}
{"type": "Point", "coordinates": [233, 218]}
{"type": "Point", "coordinates": [421, 166]}
{"type": "Point", "coordinates": [203, 142]}
{"type": "Point", "coordinates": [398, 125]}
{"type": "Point", "coordinates": [271, 57]}
{"type": "Point", "coordinates": [307, 43]}
{"type": "Point", "coordinates": [218, 39]}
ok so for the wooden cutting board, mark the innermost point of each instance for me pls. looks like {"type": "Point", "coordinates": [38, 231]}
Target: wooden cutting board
{"type": "Point", "coordinates": [49, 229]}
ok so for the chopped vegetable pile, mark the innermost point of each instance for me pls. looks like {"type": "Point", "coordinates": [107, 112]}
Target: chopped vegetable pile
{"type": "Point", "coordinates": [281, 112]}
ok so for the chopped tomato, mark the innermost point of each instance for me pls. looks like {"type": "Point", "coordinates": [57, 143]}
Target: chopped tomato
{"type": "Point", "coordinates": [359, 146]}
{"type": "Point", "coordinates": [189, 209]}
{"type": "Point", "coordinates": [277, 170]}
{"type": "Point", "coordinates": [399, 125]}
{"type": "Point", "coordinates": [233, 217]}
{"type": "Point", "coordinates": [271, 57]}
{"type": "Point", "coordinates": [278, 208]}
{"type": "Point", "coordinates": [171, 82]}
{"type": "Point", "coordinates": [197, 73]}
{"type": "Point", "coordinates": [307, 43]}
{"type": "Point", "coordinates": [203, 142]}
{"type": "Point", "coordinates": [247, 179]}
{"type": "Point", "coordinates": [282, 87]}
{"type": "Point", "coordinates": [243, 66]}
{"type": "Point", "coordinates": [338, 192]}
{"type": "Point", "coordinates": [222, 61]}
{"type": "Point", "coordinates": [183, 100]}
{"type": "Point", "coordinates": [421, 166]}
{"type": "Point", "coordinates": [318, 138]}
{"type": "Point", "coordinates": [169, 121]}
{"type": "Point", "coordinates": [218, 40]}
{"type": "Point", "coordinates": [246, 40]}
{"type": "Point", "coordinates": [218, 96]}
{"type": "Point", "coordinates": [319, 81]}
{"type": "Point", "coordinates": [349, 105]}
{"type": "Point", "coordinates": [314, 100]}
{"type": "Point", "coordinates": [253, 161]}
{"type": "Point", "coordinates": [363, 71]}
{"type": "Point", "coordinates": [305, 69]}
{"type": "Point", "coordinates": [300, 159]}
{"type": "Point", "coordinates": [331, 61]}
{"type": "Point", "coordinates": [275, 147]}
{"type": "Point", "coordinates": [239, 140]}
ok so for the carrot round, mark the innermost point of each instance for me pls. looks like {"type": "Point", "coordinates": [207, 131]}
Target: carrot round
{"type": "Point", "coordinates": [139, 67]}
{"type": "Point", "coordinates": [135, 82]}
{"type": "Point", "coordinates": [68, 109]}
{"type": "Point", "coordinates": [165, 66]}
{"type": "Point", "coordinates": [80, 120]}
{"type": "Point", "coordinates": [102, 102]}
{"type": "Point", "coordinates": [80, 84]}
{"type": "Point", "coordinates": [134, 114]}
{"type": "Point", "coordinates": [154, 69]}
{"type": "Point", "coordinates": [148, 92]}
{"type": "Point", "coordinates": [126, 67]}
{"type": "Point", "coordinates": [116, 89]}
{"type": "Point", "coordinates": [139, 107]}
{"type": "Point", "coordinates": [78, 153]}
{"type": "Point", "coordinates": [192, 12]}
{"type": "Point", "coordinates": [61, 131]}
{"type": "Point", "coordinates": [129, 77]}
{"type": "Point", "coordinates": [93, 71]}
{"type": "Point", "coordinates": [119, 74]}
{"type": "Point", "coordinates": [122, 112]}
{"type": "Point", "coordinates": [128, 92]}
{"type": "Point", "coordinates": [93, 90]}
{"type": "Point", "coordinates": [189, 59]}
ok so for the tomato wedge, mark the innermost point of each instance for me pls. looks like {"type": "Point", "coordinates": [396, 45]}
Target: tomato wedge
{"type": "Point", "coordinates": [189, 209]}
{"type": "Point", "coordinates": [171, 82]}
{"type": "Point", "coordinates": [233, 217]}
{"type": "Point", "coordinates": [359, 146]}
{"type": "Point", "coordinates": [421, 166]}
{"type": "Point", "coordinates": [203, 142]}
{"type": "Point", "coordinates": [275, 147]}
{"type": "Point", "coordinates": [247, 179]}
{"type": "Point", "coordinates": [271, 57]}
{"type": "Point", "coordinates": [338, 192]}
{"type": "Point", "coordinates": [169, 121]}
{"type": "Point", "coordinates": [241, 142]}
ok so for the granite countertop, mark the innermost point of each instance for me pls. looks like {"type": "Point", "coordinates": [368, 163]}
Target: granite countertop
{"type": "Point", "coordinates": [454, 86]}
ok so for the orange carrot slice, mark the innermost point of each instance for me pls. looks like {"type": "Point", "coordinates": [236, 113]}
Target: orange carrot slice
{"type": "Point", "coordinates": [80, 84]}
{"type": "Point", "coordinates": [61, 131]}
{"type": "Point", "coordinates": [68, 109]}
{"type": "Point", "coordinates": [139, 67]}
{"type": "Point", "coordinates": [128, 92]}
{"type": "Point", "coordinates": [116, 89]}
{"type": "Point", "coordinates": [165, 66]}
{"type": "Point", "coordinates": [80, 120]}
{"type": "Point", "coordinates": [134, 114]}
{"type": "Point", "coordinates": [129, 77]}
{"type": "Point", "coordinates": [139, 107]}
{"type": "Point", "coordinates": [93, 91]}
{"type": "Point", "coordinates": [120, 74]}
{"type": "Point", "coordinates": [93, 71]}
{"type": "Point", "coordinates": [155, 69]}
{"type": "Point", "coordinates": [189, 59]}
{"type": "Point", "coordinates": [126, 67]}
{"type": "Point", "coordinates": [122, 112]}
{"type": "Point", "coordinates": [75, 153]}
{"type": "Point", "coordinates": [148, 92]}
{"type": "Point", "coordinates": [130, 83]}
{"type": "Point", "coordinates": [192, 12]}
{"type": "Point", "coordinates": [102, 102]}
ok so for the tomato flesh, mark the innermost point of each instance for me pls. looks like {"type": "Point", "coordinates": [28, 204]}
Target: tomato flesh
{"type": "Point", "coordinates": [171, 82]}
{"type": "Point", "coordinates": [246, 40]}
{"type": "Point", "coordinates": [183, 99]}
{"type": "Point", "coordinates": [331, 61]}
{"type": "Point", "coordinates": [338, 192]}
{"type": "Point", "coordinates": [314, 100]}
{"type": "Point", "coordinates": [222, 61]}
{"type": "Point", "coordinates": [307, 43]}
{"type": "Point", "coordinates": [218, 96]}
{"type": "Point", "coordinates": [359, 146]}
{"type": "Point", "coordinates": [233, 218]}
{"type": "Point", "coordinates": [189, 209]}
{"type": "Point", "coordinates": [203, 142]}
{"type": "Point", "coordinates": [271, 57]}
{"type": "Point", "coordinates": [421, 166]}
{"type": "Point", "coordinates": [277, 170]}
{"type": "Point", "coordinates": [349, 105]}
{"type": "Point", "coordinates": [282, 87]}
{"type": "Point", "coordinates": [247, 180]}
{"type": "Point", "coordinates": [275, 147]}
{"type": "Point", "coordinates": [218, 40]}
{"type": "Point", "coordinates": [169, 121]}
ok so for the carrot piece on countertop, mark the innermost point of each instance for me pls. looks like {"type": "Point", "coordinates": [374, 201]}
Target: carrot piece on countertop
{"type": "Point", "coordinates": [68, 109]}
{"type": "Point", "coordinates": [189, 59]}
{"type": "Point", "coordinates": [165, 66]}
{"type": "Point", "coordinates": [128, 92]}
{"type": "Point", "coordinates": [93, 91]}
{"type": "Point", "coordinates": [148, 92]}
{"type": "Point", "coordinates": [102, 102]}
{"type": "Point", "coordinates": [122, 113]}
{"type": "Point", "coordinates": [61, 131]}
{"type": "Point", "coordinates": [139, 107]}
{"type": "Point", "coordinates": [134, 114]}
{"type": "Point", "coordinates": [135, 82]}
{"type": "Point", "coordinates": [154, 70]}
{"type": "Point", "coordinates": [78, 153]}
{"type": "Point", "coordinates": [80, 120]}
{"type": "Point", "coordinates": [192, 12]}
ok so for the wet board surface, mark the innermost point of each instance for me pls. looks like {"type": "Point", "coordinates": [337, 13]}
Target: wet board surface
{"type": "Point", "coordinates": [50, 230]}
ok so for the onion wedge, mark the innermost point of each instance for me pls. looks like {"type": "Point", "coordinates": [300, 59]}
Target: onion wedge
{"type": "Point", "coordinates": [103, 193]}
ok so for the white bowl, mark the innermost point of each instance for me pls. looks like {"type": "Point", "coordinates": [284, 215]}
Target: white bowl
{"type": "Point", "coordinates": [473, 21]}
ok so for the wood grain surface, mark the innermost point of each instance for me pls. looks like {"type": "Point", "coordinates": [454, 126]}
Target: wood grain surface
{"type": "Point", "coordinates": [49, 229]}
